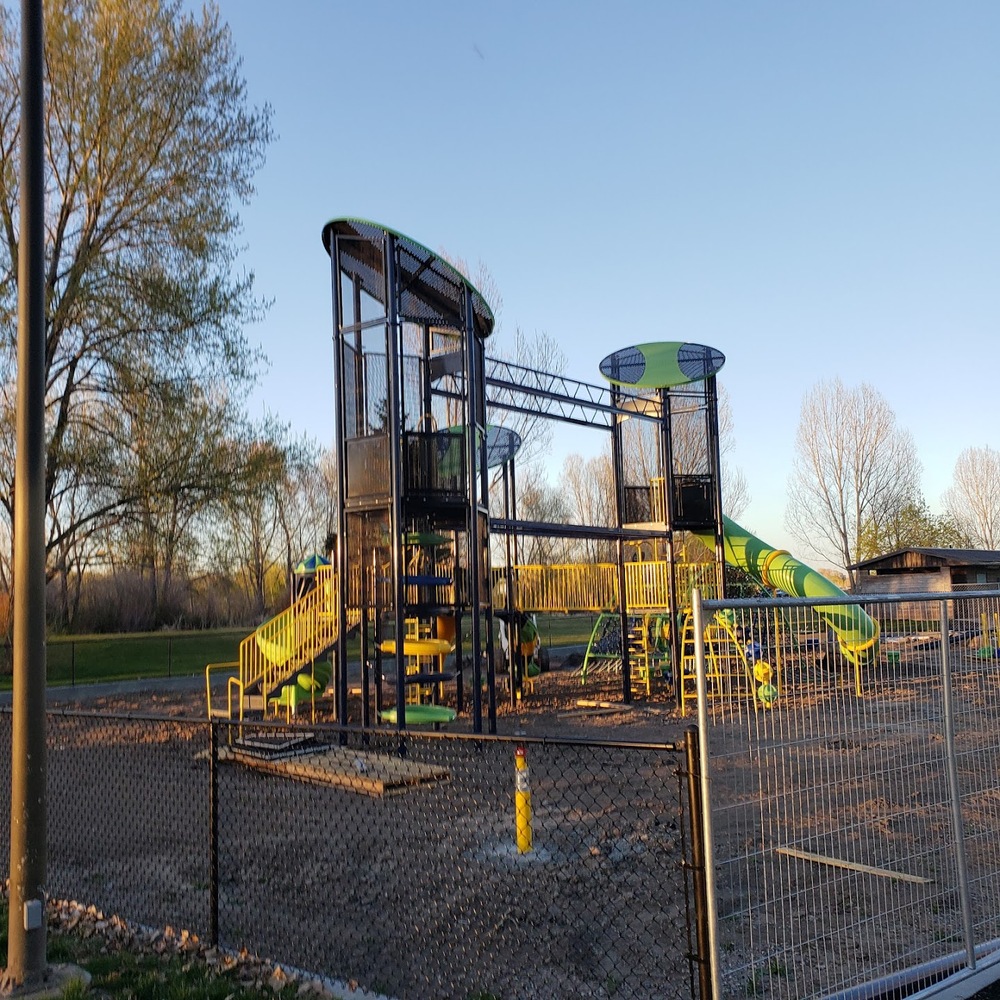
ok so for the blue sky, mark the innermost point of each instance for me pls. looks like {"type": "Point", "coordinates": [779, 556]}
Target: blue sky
{"type": "Point", "coordinates": [814, 189]}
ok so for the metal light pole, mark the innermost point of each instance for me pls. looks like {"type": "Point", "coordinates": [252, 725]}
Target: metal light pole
{"type": "Point", "coordinates": [27, 932]}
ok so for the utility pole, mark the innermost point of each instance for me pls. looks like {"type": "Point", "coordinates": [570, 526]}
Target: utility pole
{"type": "Point", "coordinates": [26, 943]}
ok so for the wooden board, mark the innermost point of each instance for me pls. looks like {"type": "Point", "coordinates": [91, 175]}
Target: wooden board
{"type": "Point", "coordinates": [353, 770]}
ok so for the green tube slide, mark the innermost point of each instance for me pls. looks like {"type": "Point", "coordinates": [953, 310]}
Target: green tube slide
{"type": "Point", "coordinates": [856, 632]}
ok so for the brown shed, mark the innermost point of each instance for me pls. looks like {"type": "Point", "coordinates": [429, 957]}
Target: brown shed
{"type": "Point", "coordinates": [928, 571]}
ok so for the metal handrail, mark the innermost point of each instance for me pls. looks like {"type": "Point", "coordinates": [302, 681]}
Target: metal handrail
{"type": "Point", "coordinates": [228, 665]}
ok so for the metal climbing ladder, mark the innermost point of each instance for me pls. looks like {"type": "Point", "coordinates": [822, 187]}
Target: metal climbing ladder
{"type": "Point", "coordinates": [729, 672]}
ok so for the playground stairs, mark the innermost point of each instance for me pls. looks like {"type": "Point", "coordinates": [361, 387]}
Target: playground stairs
{"type": "Point", "coordinates": [729, 673]}
{"type": "Point", "coordinates": [426, 645]}
{"type": "Point", "coordinates": [280, 664]}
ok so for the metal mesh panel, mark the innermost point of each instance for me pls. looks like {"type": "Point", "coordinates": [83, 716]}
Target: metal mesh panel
{"type": "Point", "coordinates": [368, 471]}
{"type": "Point", "coordinates": [353, 425]}
{"type": "Point", "coordinates": [855, 805]}
{"type": "Point", "coordinates": [627, 365]}
{"type": "Point", "coordinates": [429, 289]}
{"type": "Point", "coordinates": [638, 505]}
{"type": "Point", "coordinates": [698, 362]}
{"type": "Point", "coordinates": [438, 298]}
{"type": "Point", "coordinates": [435, 463]}
{"type": "Point", "coordinates": [391, 860]}
{"type": "Point", "coordinates": [376, 401]}
{"type": "Point", "coordinates": [411, 390]}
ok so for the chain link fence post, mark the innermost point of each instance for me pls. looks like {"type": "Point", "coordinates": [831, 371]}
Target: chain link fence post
{"type": "Point", "coordinates": [696, 810]}
{"type": "Point", "coordinates": [213, 834]}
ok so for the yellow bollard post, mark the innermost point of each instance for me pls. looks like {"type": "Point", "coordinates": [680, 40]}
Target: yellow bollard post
{"type": "Point", "coordinates": [522, 801]}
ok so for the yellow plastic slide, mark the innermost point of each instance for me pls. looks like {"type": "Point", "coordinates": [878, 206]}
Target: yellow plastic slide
{"type": "Point", "coordinates": [856, 632]}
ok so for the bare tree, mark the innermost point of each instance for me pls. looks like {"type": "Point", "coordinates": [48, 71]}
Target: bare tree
{"type": "Point", "coordinates": [589, 489]}
{"type": "Point", "coordinates": [250, 537]}
{"type": "Point", "coordinates": [541, 501]}
{"type": "Point", "coordinates": [526, 354]}
{"type": "Point", "coordinates": [177, 458]}
{"type": "Point", "coordinates": [973, 500]}
{"type": "Point", "coordinates": [306, 512]}
{"type": "Point", "coordinates": [854, 467]}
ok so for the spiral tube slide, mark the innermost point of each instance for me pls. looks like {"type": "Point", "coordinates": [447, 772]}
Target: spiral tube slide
{"type": "Point", "coordinates": [856, 632]}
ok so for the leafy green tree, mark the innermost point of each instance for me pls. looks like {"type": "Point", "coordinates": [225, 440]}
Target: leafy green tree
{"type": "Point", "coordinates": [152, 147]}
{"type": "Point", "coordinates": [911, 525]}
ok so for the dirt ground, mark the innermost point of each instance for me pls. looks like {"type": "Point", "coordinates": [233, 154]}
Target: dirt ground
{"type": "Point", "coordinates": [858, 780]}
{"type": "Point", "coordinates": [561, 704]}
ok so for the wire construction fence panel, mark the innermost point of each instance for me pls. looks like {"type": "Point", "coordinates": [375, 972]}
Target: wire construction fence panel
{"type": "Point", "coordinates": [855, 795]}
{"type": "Point", "coordinates": [402, 863]}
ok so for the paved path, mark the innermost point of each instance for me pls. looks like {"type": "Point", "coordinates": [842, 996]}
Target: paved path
{"type": "Point", "coordinates": [78, 693]}
{"type": "Point", "coordinates": [81, 693]}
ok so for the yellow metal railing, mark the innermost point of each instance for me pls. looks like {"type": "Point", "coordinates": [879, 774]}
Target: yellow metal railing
{"type": "Point", "coordinates": [286, 643]}
{"type": "Point", "coordinates": [230, 667]}
{"type": "Point", "coordinates": [647, 585]}
{"type": "Point", "coordinates": [290, 640]}
{"type": "Point", "coordinates": [658, 499]}
{"type": "Point", "coordinates": [571, 587]}
{"type": "Point", "coordinates": [594, 587]}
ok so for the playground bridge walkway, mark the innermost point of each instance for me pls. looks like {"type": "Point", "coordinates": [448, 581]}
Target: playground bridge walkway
{"type": "Point", "coordinates": [594, 587]}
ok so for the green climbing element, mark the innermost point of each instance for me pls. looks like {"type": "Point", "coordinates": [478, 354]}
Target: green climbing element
{"type": "Point", "coordinates": [767, 695]}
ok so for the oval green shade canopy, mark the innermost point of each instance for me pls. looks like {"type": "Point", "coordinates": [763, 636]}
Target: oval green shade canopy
{"type": "Point", "coordinates": [662, 364]}
{"type": "Point", "coordinates": [430, 289]}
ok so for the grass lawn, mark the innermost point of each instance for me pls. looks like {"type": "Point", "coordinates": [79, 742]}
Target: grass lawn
{"type": "Point", "coordinates": [566, 630]}
{"type": "Point", "coordinates": [92, 658]}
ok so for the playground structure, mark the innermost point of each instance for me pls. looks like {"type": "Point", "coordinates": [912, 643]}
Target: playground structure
{"type": "Point", "coordinates": [419, 411]}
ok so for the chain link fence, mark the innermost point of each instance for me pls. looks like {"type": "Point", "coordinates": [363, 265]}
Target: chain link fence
{"type": "Point", "coordinates": [855, 806]}
{"type": "Point", "coordinates": [384, 860]}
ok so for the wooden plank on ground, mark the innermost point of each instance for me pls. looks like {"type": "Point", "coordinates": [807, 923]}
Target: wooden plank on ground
{"type": "Point", "coordinates": [854, 866]}
{"type": "Point", "coordinates": [354, 770]}
{"type": "Point", "coordinates": [581, 713]}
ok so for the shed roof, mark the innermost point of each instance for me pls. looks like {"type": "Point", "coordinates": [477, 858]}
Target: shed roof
{"type": "Point", "coordinates": [914, 556]}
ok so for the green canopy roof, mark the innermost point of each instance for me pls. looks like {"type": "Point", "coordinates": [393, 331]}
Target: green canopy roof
{"type": "Point", "coordinates": [432, 290]}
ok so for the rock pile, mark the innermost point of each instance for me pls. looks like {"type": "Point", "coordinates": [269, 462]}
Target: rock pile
{"type": "Point", "coordinates": [246, 968]}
